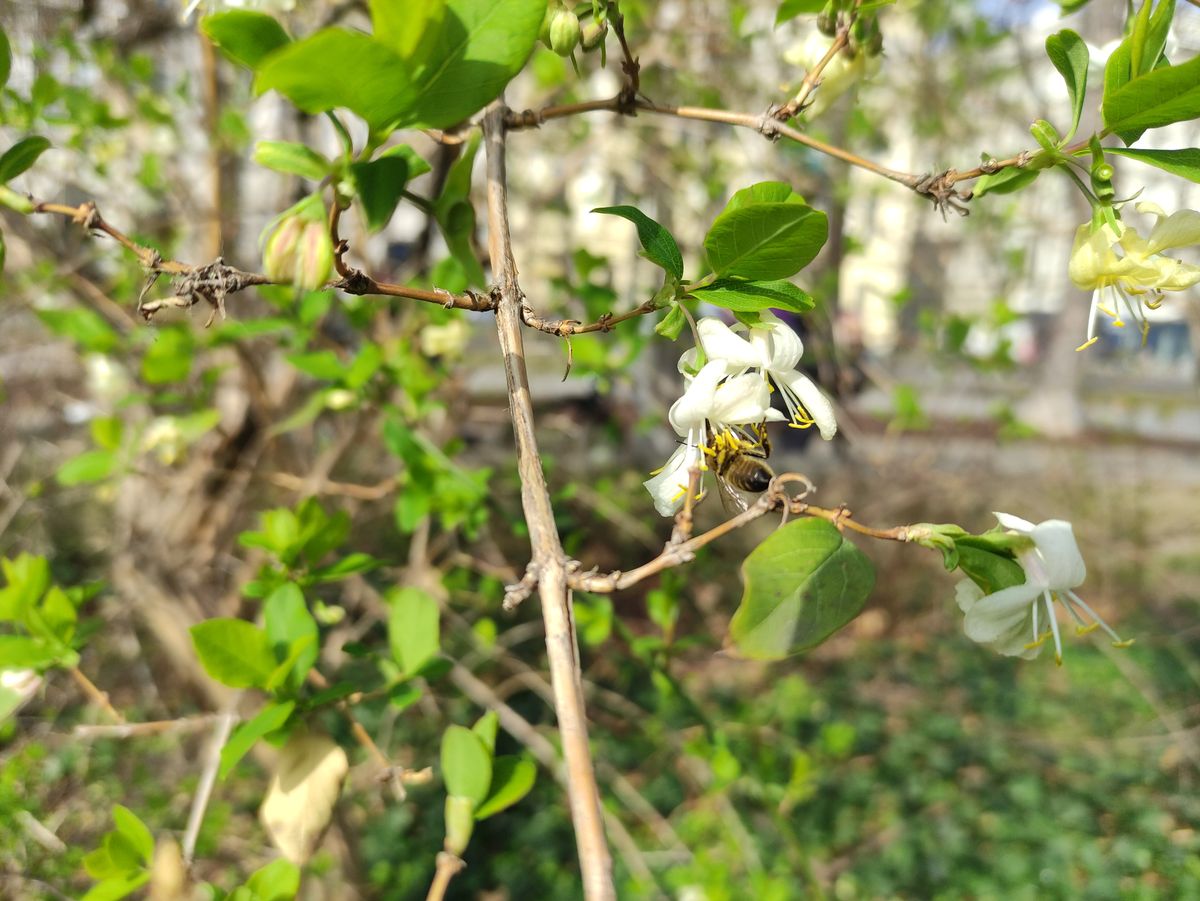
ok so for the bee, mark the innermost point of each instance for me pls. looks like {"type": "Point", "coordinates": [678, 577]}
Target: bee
{"type": "Point", "coordinates": [740, 464]}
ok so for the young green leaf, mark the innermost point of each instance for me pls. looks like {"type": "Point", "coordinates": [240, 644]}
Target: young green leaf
{"type": "Point", "coordinates": [379, 184]}
{"type": "Point", "coordinates": [277, 881]}
{"type": "Point", "coordinates": [750, 297]}
{"type": "Point", "coordinates": [287, 621]}
{"type": "Point", "coordinates": [474, 51]}
{"type": "Point", "coordinates": [1185, 163]}
{"type": "Point", "coordinates": [671, 325]}
{"type": "Point", "coordinates": [417, 165]}
{"type": "Point", "coordinates": [22, 652]}
{"type": "Point", "coordinates": [413, 629]}
{"type": "Point", "coordinates": [90, 466]}
{"type": "Point", "coordinates": [765, 241]}
{"type": "Point", "coordinates": [466, 764]}
{"type": "Point", "coordinates": [244, 36]}
{"type": "Point", "coordinates": [271, 718]}
{"type": "Point", "coordinates": [512, 779]}
{"type": "Point", "coordinates": [234, 652]}
{"type": "Point", "coordinates": [661, 248]}
{"type": "Point", "coordinates": [1006, 181]}
{"type": "Point", "coordinates": [1162, 97]}
{"type": "Point", "coordinates": [486, 728]}
{"type": "Point", "coordinates": [119, 886]}
{"type": "Point", "coordinates": [789, 9]}
{"type": "Point", "coordinates": [456, 216]}
{"type": "Point", "coordinates": [5, 58]}
{"type": "Point", "coordinates": [763, 192]}
{"type": "Point", "coordinates": [20, 156]}
{"type": "Point", "coordinates": [407, 28]}
{"type": "Point", "coordinates": [1069, 54]}
{"type": "Point", "coordinates": [802, 584]}
{"type": "Point", "coordinates": [135, 832]}
{"type": "Point", "coordinates": [292, 158]}
{"type": "Point", "coordinates": [992, 572]}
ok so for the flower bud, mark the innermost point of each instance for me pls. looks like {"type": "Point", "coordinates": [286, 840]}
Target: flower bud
{"type": "Point", "coordinates": [300, 252]}
{"type": "Point", "coordinates": [460, 821]}
{"type": "Point", "coordinates": [552, 8]}
{"type": "Point", "coordinates": [593, 35]}
{"type": "Point", "coordinates": [564, 32]}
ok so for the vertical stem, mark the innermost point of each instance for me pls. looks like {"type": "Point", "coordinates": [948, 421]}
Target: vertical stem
{"type": "Point", "coordinates": [547, 554]}
{"type": "Point", "coordinates": [212, 123]}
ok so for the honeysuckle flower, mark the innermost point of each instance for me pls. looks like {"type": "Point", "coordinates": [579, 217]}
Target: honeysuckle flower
{"type": "Point", "coordinates": [713, 402]}
{"type": "Point", "coordinates": [267, 6]}
{"type": "Point", "coordinates": [1123, 269]}
{"type": "Point", "coordinates": [841, 73]}
{"type": "Point", "coordinates": [774, 349]}
{"type": "Point", "coordinates": [1008, 620]}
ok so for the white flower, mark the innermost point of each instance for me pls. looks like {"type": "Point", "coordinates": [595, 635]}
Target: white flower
{"type": "Point", "coordinates": [212, 6]}
{"type": "Point", "coordinates": [713, 402]}
{"type": "Point", "coordinates": [846, 68]}
{"type": "Point", "coordinates": [446, 340]}
{"type": "Point", "coordinates": [1115, 260]}
{"type": "Point", "coordinates": [1007, 621]}
{"type": "Point", "coordinates": [774, 349]}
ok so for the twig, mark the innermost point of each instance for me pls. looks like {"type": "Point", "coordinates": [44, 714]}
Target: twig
{"type": "Point", "coordinates": [327, 486]}
{"type": "Point", "coordinates": [677, 553]}
{"type": "Point", "coordinates": [97, 696]}
{"type": "Point", "coordinates": [208, 778]}
{"type": "Point", "coordinates": [547, 553]}
{"type": "Point", "coordinates": [565, 328]}
{"type": "Point", "coordinates": [448, 866]}
{"type": "Point", "coordinates": [138, 730]}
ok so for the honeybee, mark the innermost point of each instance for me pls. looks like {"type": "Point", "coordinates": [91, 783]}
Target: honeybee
{"type": "Point", "coordinates": [740, 463]}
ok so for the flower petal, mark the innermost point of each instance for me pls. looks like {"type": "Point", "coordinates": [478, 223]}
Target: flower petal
{"type": "Point", "coordinates": [669, 487]}
{"type": "Point", "coordinates": [741, 400]}
{"type": "Point", "coordinates": [691, 410]}
{"type": "Point", "coordinates": [1002, 616]}
{"type": "Point", "coordinates": [1064, 566]}
{"type": "Point", "coordinates": [967, 594]}
{"type": "Point", "coordinates": [784, 347]}
{"type": "Point", "coordinates": [1180, 229]}
{"type": "Point", "coordinates": [1014, 522]}
{"type": "Point", "coordinates": [819, 407]}
{"type": "Point", "coordinates": [720, 343]}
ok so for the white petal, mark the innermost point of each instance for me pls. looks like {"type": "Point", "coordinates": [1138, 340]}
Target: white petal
{"type": "Point", "coordinates": [1001, 616]}
{"type": "Point", "coordinates": [785, 345]}
{"type": "Point", "coordinates": [1013, 522]}
{"type": "Point", "coordinates": [720, 343]}
{"type": "Point", "coordinates": [1180, 229]}
{"type": "Point", "coordinates": [691, 410]}
{"type": "Point", "coordinates": [1060, 555]}
{"type": "Point", "coordinates": [669, 487]}
{"type": "Point", "coordinates": [967, 594]}
{"type": "Point", "coordinates": [741, 400]}
{"type": "Point", "coordinates": [819, 407]}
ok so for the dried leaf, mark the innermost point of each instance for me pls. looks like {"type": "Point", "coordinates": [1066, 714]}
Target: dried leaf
{"type": "Point", "coordinates": [300, 799]}
{"type": "Point", "coordinates": [168, 877]}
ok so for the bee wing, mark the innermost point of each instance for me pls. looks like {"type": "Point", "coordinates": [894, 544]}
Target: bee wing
{"type": "Point", "coordinates": [731, 499]}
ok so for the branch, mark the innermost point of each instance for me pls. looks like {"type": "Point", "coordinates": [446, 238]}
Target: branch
{"type": "Point", "coordinates": [547, 553]}
{"type": "Point", "coordinates": [448, 866]}
{"type": "Point", "coordinates": [677, 552]}
{"type": "Point", "coordinates": [565, 328]}
{"type": "Point", "coordinates": [208, 778]}
{"type": "Point", "coordinates": [97, 696]}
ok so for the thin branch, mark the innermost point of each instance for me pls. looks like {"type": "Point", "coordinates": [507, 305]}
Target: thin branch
{"type": "Point", "coordinates": [139, 730]}
{"type": "Point", "coordinates": [547, 553]}
{"type": "Point", "coordinates": [677, 553]}
{"type": "Point", "coordinates": [448, 866]}
{"type": "Point", "coordinates": [208, 778]}
{"type": "Point", "coordinates": [565, 328]}
{"type": "Point", "coordinates": [98, 697]}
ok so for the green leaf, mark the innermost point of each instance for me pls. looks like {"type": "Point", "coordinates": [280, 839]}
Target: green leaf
{"type": "Point", "coordinates": [1162, 97]}
{"type": "Point", "coordinates": [245, 37]}
{"type": "Point", "coordinates": [287, 621]}
{"type": "Point", "coordinates": [169, 358]}
{"type": "Point", "coordinates": [99, 865]}
{"type": "Point", "coordinates": [115, 887]}
{"type": "Point", "coordinates": [456, 217]}
{"type": "Point", "coordinates": [407, 28]}
{"type": "Point", "coordinates": [671, 325]}
{"type": "Point", "coordinates": [466, 764]}
{"type": "Point", "coordinates": [789, 9]}
{"type": "Point", "coordinates": [22, 652]}
{"type": "Point", "coordinates": [1069, 54]}
{"type": "Point", "coordinates": [270, 719]}
{"type": "Point", "coordinates": [417, 166]}
{"type": "Point", "coordinates": [340, 68]}
{"type": "Point", "coordinates": [85, 327]}
{"type": "Point", "coordinates": [20, 156]}
{"type": "Point", "coordinates": [379, 185]}
{"type": "Point", "coordinates": [277, 881]}
{"type": "Point", "coordinates": [107, 431]}
{"type": "Point", "coordinates": [1184, 163]}
{"type": "Point", "coordinates": [350, 565]}
{"type": "Point", "coordinates": [292, 158]}
{"type": "Point", "coordinates": [765, 241]}
{"type": "Point", "coordinates": [135, 832]}
{"type": "Point", "coordinates": [1006, 181]}
{"type": "Point", "coordinates": [234, 652]}
{"type": "Point", "coordinates": [486, 728]}
{"type": "Point", "coordinates": [28, 577]}
{"type": "Point", "coordinates": [90, 466]}
{"type": "Point", "coordinates": [320, 364]}
{"type": "Point", "coordinates": [990, 571]}
{"type": "Point", "coordinates": [512, 779]}
{"type": "Point", "coordinates": [661, 248]}
{"type": "Point", "coordinates": [763, 192]}
{"type": "Point", "coordinates": [750, 297]}
{"type": "Point", "coordinates": [413, 631]}
{"type": "Point", "coordinates": [475, 51]}
{"type": "Point", "coordinates": [5, 58]}
{"type": "Point", "coordinates": [802, 584]}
